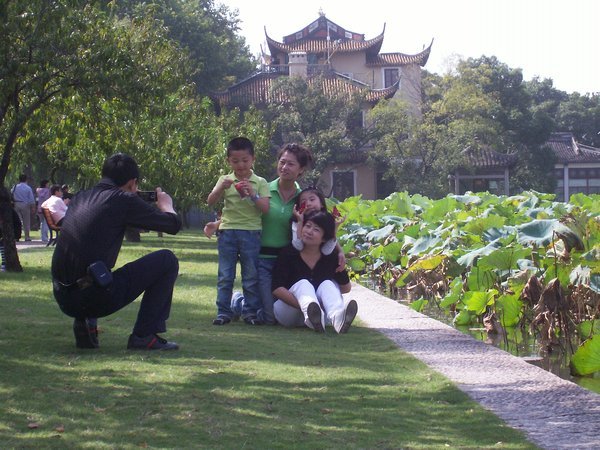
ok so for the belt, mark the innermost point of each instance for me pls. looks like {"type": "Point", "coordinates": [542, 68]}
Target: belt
{"type": "Point", "coordinates": [81, 283]}
{"type": "Point", "coordinates": [270, 251]}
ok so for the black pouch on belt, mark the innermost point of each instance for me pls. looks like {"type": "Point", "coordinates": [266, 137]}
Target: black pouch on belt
{"type": "Point", "coordinates": [100, 274]}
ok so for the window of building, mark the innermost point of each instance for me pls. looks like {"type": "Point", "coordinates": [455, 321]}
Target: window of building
{"type": "Point", "coordinates": [343, 184]}
{"type": "Point", "coordinates": [584, 180]}
{"type": "Point", "coordinates": [390, 76]}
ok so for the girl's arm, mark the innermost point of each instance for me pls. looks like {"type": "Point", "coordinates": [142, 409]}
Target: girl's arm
{"type": "Point", "coordinates": [286, 296]}
{"type": "Point", "coordinates": [341, 258]}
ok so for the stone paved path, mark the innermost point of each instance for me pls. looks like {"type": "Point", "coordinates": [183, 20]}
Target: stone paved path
{"type": "Point", "coordinates": [552, 412]}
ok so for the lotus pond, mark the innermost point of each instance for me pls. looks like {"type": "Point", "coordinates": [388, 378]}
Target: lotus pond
{"type": "Point", "coordinates": [520, 272]}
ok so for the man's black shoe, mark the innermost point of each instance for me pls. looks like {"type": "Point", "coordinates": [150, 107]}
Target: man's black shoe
{"type": "Point", "coordinates": [150, 342]}
{"type": "Point", "coordinates": [85, 336]}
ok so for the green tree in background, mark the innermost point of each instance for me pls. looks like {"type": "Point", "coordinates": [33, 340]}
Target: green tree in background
{"type": "Point", "coordinates": [329, 123]}
{"type": "Point", "coordinates": [484, 104]}
{"type": "Point", "coordinates": [207, 30]}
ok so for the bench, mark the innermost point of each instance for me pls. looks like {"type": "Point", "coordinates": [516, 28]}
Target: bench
{"type": "Point", "coordinates": [52, 226]}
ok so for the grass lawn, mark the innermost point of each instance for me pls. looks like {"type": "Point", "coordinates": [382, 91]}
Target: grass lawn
{"type": "Point", "coordinates": [229, 387]}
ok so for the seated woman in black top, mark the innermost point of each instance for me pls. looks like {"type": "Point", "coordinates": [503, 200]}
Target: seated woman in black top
{"type": "Point", "coordinates": [307, 287]}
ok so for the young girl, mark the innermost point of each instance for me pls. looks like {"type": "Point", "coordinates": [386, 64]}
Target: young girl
{"type": "Point", "coordinates": [305, 282]}
{"type": "Point", "coordinates": [309, 200]}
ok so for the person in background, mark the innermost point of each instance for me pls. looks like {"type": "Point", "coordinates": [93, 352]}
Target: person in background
{"type": "Point", "coordinates": [246, 198]}
{"type": "Point", "coordinates": [66, 195]}
{"type": "Point", "coordinates": [56, 205]}
{"type": "Point", "coordinates": [24, 204]}
{"type": "Point", "coordinates": [43, 194]}
{"type": "Point", "coordinates": [6, 210]}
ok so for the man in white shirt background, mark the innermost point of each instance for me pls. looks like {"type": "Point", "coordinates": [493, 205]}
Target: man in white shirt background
{"type": "Point", "coordinates": [56, 205]}
{"type": "Point", "coordinates": [24, 203]}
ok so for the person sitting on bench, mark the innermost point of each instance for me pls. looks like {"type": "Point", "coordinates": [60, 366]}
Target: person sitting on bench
{"type": "Point", "coordinates": [56, 205]}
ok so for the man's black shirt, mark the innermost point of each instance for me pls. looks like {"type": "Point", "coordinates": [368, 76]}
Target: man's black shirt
{"type": "Point", "coordinates": [94, 227]}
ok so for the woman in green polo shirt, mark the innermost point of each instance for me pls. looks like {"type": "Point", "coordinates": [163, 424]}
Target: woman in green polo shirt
{"type": "Point", "coordinates": [292, 161]}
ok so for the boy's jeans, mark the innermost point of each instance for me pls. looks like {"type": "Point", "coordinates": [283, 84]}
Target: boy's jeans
{"type": "Point", "coordinates": [245, 245]}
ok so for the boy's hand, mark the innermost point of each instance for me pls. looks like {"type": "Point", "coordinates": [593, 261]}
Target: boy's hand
{"type": "Point", "coordinates": [244, 188]}
{"type": "Point", "coordinates": [210, 228]}
{"type": "Point", "coordinates": [226, 183]}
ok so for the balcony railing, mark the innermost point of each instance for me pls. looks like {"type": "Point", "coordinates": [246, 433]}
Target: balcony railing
{"type": "Point", "coordinates": [284, 69]}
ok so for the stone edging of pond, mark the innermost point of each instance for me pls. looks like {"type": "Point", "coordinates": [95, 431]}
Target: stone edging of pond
{"type": "Point", "coordinates": [552, 412]}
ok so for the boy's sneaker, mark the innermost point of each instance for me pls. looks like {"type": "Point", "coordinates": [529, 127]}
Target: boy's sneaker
{"type": "Point", "coordinates": [342, 326]}
{"type": "Point", "coordinates": [86, 336]}
{"type": "Point", "coordinates": [221, 320]}
{"type": "Point", "coordinates": [314, 317]}
{"type": "Point", "coordinates": [237, 304]}
{"type": "Point", "coordinates": [150, 342]}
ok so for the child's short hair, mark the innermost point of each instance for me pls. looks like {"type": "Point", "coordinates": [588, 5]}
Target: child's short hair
{"type": "Point", "coordinates": [325, 221]}
{"type": "Point", "coordinates": [54, 189]}
{"type": "Point", "coordinates": [240, 143]}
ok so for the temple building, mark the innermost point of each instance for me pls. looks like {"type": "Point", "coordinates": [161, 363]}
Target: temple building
{"type": "Point", "coordinates": [576, 169]}
{"type": "Point", "coordinates": [348, 63]}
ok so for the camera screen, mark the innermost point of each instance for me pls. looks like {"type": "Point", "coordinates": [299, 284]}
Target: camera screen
{"type": "Point", "coordinates": [147, 196]}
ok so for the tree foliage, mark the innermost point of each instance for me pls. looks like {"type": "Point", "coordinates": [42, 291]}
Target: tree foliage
{"type": "Point", "coordinates": [81, 80]}
{"type": "Point", "coordinates": [329, 123]}
{"type": "Point", "coordinates": [207, 30]}
{"type": "Point", "coordinates": [484, 104]}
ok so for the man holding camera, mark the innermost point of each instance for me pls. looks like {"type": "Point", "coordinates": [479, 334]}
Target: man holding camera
{"type": "Point", "coordinates": [88, 246]}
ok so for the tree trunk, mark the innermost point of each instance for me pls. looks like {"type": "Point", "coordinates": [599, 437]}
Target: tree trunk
{"type": "Point", "coordinates": [8, 237]}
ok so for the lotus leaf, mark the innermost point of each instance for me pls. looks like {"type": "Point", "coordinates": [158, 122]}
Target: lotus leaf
{"type": "Point", "coordinates": [587, 328]}
{"type": "Point", "coordinates": [418, 305]}
{"type": "Point", "coordinates": [477, 301]}
{"type": "Point", "coordinates": [509, 308]}
{"type": "Point", "coordinates": [481, 277]}
{"type": "Point", "coordinates": [505, 258]}
{"type": "Point", "coordinates": [424, 245]}
{"type": "Point", "coordinates": [380, 234]}
{"type": "Point", "coordinates": [464, 317]}
{"type": "Point", "coordinates": [586, 359]}
{"type": "Point", "coordinates": [467, 199]}
{"type": "Point", "coordinates": [469, 259]}
{"type": "Point", "coordinates": [356, 264]}
{"type": "Point", "coordinates": [480, 225]}
{"type": "Point", "coordinates": [391, 252]}
{"type": "Point", "coordinates": [542, 232]}
{"type": "Point", "coordinates": [493, 234]}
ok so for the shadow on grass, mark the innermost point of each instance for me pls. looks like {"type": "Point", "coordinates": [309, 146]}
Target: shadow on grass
{"type": "Point", "coordinates": [228, 387]}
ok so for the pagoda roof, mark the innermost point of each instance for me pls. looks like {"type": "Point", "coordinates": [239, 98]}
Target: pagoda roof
{"type": "Point", "coordinates": [314, 39]}
{"type": "Point", "coordinates": [257, 89]}
{"type": "Point", "coordinates": [399, 59]}
{"type": "Point", "coordinates": [568, 150]}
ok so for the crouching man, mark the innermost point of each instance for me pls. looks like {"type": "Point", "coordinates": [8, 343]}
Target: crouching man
{"type": "Point", "coordinates": [88, 246]}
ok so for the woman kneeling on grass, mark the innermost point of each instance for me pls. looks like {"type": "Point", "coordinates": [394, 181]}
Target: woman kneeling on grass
{"type": "Point", "coordinates": [305, 282]}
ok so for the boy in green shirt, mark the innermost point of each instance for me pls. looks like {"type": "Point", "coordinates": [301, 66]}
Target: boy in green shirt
{"type": "Point", "coordinates": [246, 198]}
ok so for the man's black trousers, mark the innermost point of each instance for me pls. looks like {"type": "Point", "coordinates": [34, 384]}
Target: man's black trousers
{"type": "Point", "coordinates": [153, 275]}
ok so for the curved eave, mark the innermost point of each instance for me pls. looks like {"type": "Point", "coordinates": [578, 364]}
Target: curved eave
{"type": "Point", "coordinates": [372, 46]}
{"type": "Point", "coordinates": [399, 59]}
{"type": "Point", "coordinates": [375, 95]}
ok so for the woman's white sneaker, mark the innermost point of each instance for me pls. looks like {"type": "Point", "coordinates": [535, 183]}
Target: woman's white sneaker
{"type": "Point", "coordinates": [343, 325]}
